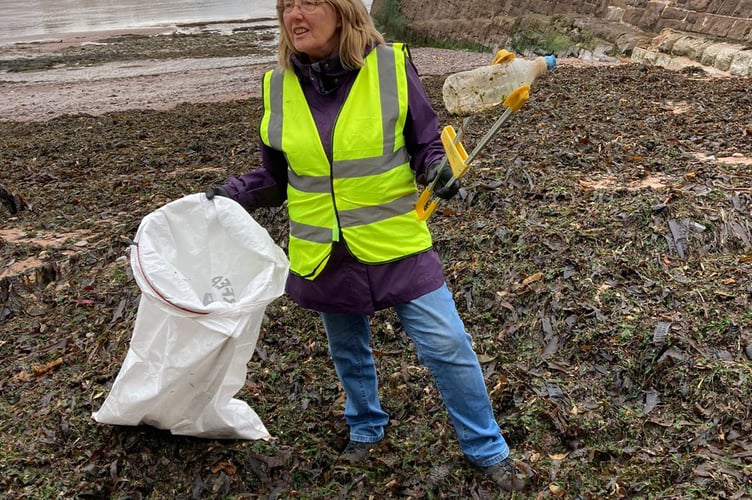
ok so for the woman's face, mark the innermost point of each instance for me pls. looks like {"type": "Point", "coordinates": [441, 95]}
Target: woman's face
{"type": "Point", "coordinates": [314, 33]}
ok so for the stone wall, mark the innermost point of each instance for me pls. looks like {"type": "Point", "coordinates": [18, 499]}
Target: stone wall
{"type": "Point", "coordinates": [714, 33]}
{"type": "Point", "coordinates": [726, 19]}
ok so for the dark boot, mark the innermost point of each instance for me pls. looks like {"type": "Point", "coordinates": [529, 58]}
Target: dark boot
{"type": "Point", "coordinates": [356, 452]}
{"type": "Point", "coordinates": [506, 475]}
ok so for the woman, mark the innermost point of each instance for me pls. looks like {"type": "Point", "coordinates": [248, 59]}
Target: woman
{"type": "Point", "coordinates": [347, 129]}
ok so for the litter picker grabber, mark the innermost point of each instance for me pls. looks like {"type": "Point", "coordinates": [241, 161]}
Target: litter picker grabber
{"type": "Point", "coordinates": [507, 82]}
{"type": "Point", "coordinates": [456, 155]}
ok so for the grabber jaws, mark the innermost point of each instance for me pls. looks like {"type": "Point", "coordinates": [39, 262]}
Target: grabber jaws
{"type": "Point", "coordinates": [458, 158]}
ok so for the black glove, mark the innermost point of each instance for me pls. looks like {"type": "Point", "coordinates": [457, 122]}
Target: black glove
{"type": "Point", "coordinates": [216, 191]}
{"type": "Point", "coordinates": [440, 189]}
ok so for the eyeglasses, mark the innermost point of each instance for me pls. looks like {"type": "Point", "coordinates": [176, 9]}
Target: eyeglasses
{"type": "Point", "coordinates": [306, 6]}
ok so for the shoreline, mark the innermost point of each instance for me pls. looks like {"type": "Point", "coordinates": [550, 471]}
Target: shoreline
{"type": "Point", "coordinates": [51, 43]}
{"type": "Point", "coordinates": [100, 72]}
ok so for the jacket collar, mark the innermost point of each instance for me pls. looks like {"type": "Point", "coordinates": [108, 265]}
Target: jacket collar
{"type": "Point", "coordinates": [325, 75]}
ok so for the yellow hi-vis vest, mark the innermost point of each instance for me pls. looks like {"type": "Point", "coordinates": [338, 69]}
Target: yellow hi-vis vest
{"type": "Point", "coordinates": [367, 191]}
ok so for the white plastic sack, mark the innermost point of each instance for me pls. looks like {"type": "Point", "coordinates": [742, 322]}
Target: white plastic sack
{"type": "Point", "coordinates": [206, 271]}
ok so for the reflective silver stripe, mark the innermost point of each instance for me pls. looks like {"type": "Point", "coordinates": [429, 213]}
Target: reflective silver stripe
{"type": "Point", "coordinates": [368, 215]}
{"type": "Point", "coordinates": [307, 232]}
{"type": "Point", "coordinates": [275, 105]}
{"type": "Point", "coordinates": [370, 166]}
{"type": "Point", "coordinates": [389, 94]}
{"type": "Point", "coordinates": [309, 184]}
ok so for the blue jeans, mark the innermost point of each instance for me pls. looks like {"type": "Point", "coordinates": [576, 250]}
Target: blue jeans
{"type": "Point", "coordinates": [444, 347]}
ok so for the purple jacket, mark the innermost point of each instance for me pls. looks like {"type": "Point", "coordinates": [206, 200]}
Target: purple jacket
{"type": "Point", "coordinates": [346, 285]}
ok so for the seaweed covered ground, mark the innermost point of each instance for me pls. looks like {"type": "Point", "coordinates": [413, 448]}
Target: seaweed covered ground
{"type": "Point", "coordinates": [600, 255]}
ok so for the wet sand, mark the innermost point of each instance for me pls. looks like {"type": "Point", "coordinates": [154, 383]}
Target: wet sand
{"type": "Point", "coordinates": [147, 83]}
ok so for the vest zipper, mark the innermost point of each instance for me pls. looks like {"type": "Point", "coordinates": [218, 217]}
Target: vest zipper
{"type": "Point", "coordinates": [336, 228]}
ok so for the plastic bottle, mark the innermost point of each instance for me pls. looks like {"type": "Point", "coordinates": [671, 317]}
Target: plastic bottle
{"type": "Point", "coordinates": [469, 92]}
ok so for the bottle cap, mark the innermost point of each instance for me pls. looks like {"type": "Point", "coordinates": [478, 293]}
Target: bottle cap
{"type": "Point", "coordinates": [550, 62]}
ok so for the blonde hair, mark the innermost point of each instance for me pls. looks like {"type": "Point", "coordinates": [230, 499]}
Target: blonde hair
{"type": "Point", "coordinates": [357, 32]}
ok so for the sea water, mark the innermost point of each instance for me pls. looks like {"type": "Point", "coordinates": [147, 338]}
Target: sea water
{"type": "Point", "coordinates": [43, 19]}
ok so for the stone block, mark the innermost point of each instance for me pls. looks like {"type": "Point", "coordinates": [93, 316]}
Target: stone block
{"type": "Point", "coordinates": [666, 39]}
{"type": "Point", "coordinates": [720, 55]}
{"type": "Point", "coordinates": [626, 42]}
{"type": "Point", "coordinates": [742, 63]}
{"type": "Point", "coordinates": [668, 62]}
{"type": "Point", "coordinates": [632, 16]}
{"type": "Point", "coordinates": [718, 26]}
{"type": "Point", "coordinates": [650, 15]}
{"type": "Point", "coordinates": [674, 13]}
{"type": "Point", "coordinates": [691, 47]}
{"type": "Point", "coordinates": [614, 14]}
{"type": "Point", "coordinates": [701, 23]}
{"type": "Point", "coordinates": [691, 19]}
{"type": "Point", "coordinates": [588, 9]}
{"type": "Point", "coordinates": [698, 5]}
{"type": "Point", "coordinates": [672, 24]}
{"type": "Point", "coordinates": [714, 6]}
{"type": "Point", "coordinates": [741, 30]}
{"type": "Point", "coordinates": [644, 56]}
{"type": "Point", "coordinates": [728, 7]}
{"type": "Point", "coordinates": [743, 10]}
